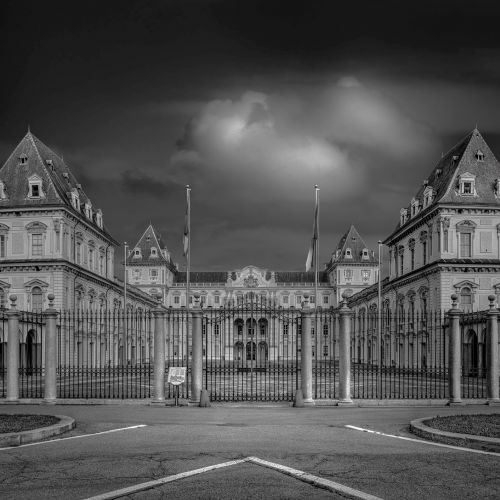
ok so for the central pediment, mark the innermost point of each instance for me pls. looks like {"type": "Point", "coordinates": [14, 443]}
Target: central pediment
{"type": "Point", "coordinates": [251, 277]}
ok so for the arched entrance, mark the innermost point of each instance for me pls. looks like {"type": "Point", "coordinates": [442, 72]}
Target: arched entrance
{"type": "Point", "coordinates": [251, 351]}
{"type": "Point", "coordinates": [262, 352]}
{"type": "Point", "coordinates": [471, 354]}
{"type": "Point", "coordinates": [238, 351]}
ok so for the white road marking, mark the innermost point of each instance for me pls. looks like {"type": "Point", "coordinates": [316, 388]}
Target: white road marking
{"type": "Point", "coordinates": [158, 482]}
{"type": "Point", "coordinates": [297, 474]}
{"type": "Point", "coordinates": [315, 480]}
{"type": "Point", "coordinates": [73, 437]}
{"type": "Point", "coordinates": [421, 441]}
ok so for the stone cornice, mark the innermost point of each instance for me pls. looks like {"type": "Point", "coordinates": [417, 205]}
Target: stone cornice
{"type": "Point", "coordinates": [49, 210]}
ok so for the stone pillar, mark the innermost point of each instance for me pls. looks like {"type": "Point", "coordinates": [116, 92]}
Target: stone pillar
{"type": "Point", "coordinates": [197, 352]}
{"type": "Point", "coordinates": [345, 315]}
{"type": "Point", "coordinates": [13, 316]}
{"type": "Point", "coordinates": [492, 353]}
{"type": "Point", "coordinates": [50, 391]}
{"type": "Point", "coordinates": [306, 353]}
{"type": "Point", "coordinates": [454, 354]}
{"type": "Point", "coordinates": [159, 353]}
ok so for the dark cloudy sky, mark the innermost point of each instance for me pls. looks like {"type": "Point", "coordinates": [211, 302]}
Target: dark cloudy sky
{"type": "Point", "coordinates": [251, 103]}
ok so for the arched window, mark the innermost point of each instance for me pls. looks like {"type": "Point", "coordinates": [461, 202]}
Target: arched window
{"type": "Point", "coordinates": [2, 298]}
{"type": "Point", "coordinates": [36, 299]}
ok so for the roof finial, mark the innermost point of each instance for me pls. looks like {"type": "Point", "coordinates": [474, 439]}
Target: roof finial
{"type": "Point", "coordinates": [29, 129]}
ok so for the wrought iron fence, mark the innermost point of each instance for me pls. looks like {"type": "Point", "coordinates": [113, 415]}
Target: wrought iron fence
{"type": "Point", "coordinates": [178, 348]}
{"type": "Point", "coordinates": [408, 361]}
{"type": "Point", "coordinates": [251, 351]}
{"type": "Point", "coordinates": [105, 354]}
{"type": "Point", "coordinates": [474, 363]}
{"type": "Point", "coordinates": [324, 332]}
{"type": "Point", "coordinates": [31, 351]}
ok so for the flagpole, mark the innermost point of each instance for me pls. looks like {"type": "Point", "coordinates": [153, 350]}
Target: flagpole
{"type": "Point", "coordinates": [316, 253]}
{"type": "Point", "coordinates": [187, 234]}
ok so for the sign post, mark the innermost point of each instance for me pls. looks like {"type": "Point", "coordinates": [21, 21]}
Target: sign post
{"type": "Point", "coordinates": [176, 376]}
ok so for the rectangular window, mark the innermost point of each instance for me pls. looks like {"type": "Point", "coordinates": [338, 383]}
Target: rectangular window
{"type": "Point", "coordinates": [177, 299]}
{"type": "Point", "coordinates": [412, 259]}
{"type": "Point", "coordinates": [365, 274]}
{"type": "Point", "coordinates": [78, 253]}
{"type": "Point", "coordinates": [325, 350]}
{"type": "Point", "coordinates": [36, 242]}
{"type": "Point", "coordinates": [153, 273]}
{"type": "Point", "coordinates": [465, 245]}
{"type": "Point", "coordinates": [467, 188]}
{"type": "Point", "coordinates": [2, 246]}
{"type": "Point", "coordinates": [91, 259]}
{"type": "Point", "coordinates": [401, 263]}
{"type": "Point", "coordinates": [445, 240]}
{"type": "Point", "coordinates": [485, 242]}
{"type": "Point", "coordinates": [217, 299]}
{"type": "Point", "coordinates": [101, 264]}
{"type": "Point", "coordinates": [35, 190]}
{"type": "Point", "coordinates": [285, 299]}
{"type": "Point", "coordinates": [424, 251]}
{"type": "Point", "coordinates": [348, 274]}
{"type": "Point", "coordinates": [312, 299]}
{"type": "Point", "coordinates": [298, 299]}
{"type": "Point", "coordinates": [326, 299]}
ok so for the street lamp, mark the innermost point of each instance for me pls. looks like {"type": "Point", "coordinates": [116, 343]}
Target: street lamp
{"type": "Point", "coordinates": [379, 322]}
{"type": "Point", "coordinates": [125, 307]}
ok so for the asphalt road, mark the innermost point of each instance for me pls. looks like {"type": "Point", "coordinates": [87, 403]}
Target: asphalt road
{"type": "Point", "coordinates": [181, 439]}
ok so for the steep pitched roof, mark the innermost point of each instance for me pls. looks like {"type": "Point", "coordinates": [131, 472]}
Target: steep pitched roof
{"type": "Point", "coordinates": [353, 241]}
{"type": "Point", "coordinates": [461, 159]}
{"type": "Point", "coordinates": [57, 179]}
{"type": "Point", "coordinates": [151, 238]}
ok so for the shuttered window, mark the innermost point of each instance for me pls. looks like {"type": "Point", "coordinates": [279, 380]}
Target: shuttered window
{"type": "Point", "coordinates": [465, 245]}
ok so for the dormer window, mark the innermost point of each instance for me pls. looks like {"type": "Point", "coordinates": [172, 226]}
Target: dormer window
{"type": "Point", "coordinates": [348, 253]}
{"type": "Point", "coordinates": [403, 214]}
{"type": "Point", "coordinates": [23, 159]}
{"type": "Point", "coordinates": [479, 155]}
{"type": "Point", "coordinates": [75, 199]}
{"type": "Point", "coordinates": [428, 196]}
{"type": "Point", "coordinates": [88, 211]}
{"type": "Point", "coordinates": [98, 218]}
{"type": "Point", "coordinates": [365, 254]}
{"type": "Point", "coordinates": [3, 193]}
{"type": "Point", "coordinates": [35, 187]}
{"type": "Point", "coordinates": [154, 252]}
{"type": "Point", "coordinates": [415, 205]}
{"type": "Point", "coordinates": [467, 184]}
{"type": "Point", "coordinates": [137, 253]}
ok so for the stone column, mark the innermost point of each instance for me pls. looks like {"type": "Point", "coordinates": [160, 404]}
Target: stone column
{"type": "Point", "coordinates": [492, 353]}
{"type": "Point", "coordinates": [454, 354]}
{"type": "Point", "coordinates": [345, 315]}
{"type": "Point", "coordinates": [306, 353]}
{"type": "Point", "coordinates": [159, 353]}
{"type": "Point", "coordinates": [50, 391]}
{"type": "Point", "coordinates": [197, 352]}
{"type": "Point", "coordinates": [13, 316]}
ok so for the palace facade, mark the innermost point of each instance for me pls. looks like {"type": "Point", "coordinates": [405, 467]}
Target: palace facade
{"type": "Point", "coordinates": [52, 238]}
{"type": "Point", "coordinates": [447, 240]}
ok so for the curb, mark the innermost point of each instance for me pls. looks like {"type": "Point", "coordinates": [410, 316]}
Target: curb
{"type": "Point", "coordinates": [18, 438]}
{"type": "Point", "coordinates": [422, 430]}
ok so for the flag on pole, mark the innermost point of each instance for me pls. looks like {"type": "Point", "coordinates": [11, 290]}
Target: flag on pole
{"type": "Point", "coordinates": [187, 222]}
{"type": "Point", "coordinates": [314, 240]}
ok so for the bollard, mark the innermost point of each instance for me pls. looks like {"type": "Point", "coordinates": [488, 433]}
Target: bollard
{"type": "Point", "coordinates": [454, 355]}
{"type": "Point", "coordinates": [492, 350]}
{"type": "Point", "coordinates": [345, 314]}
{"type": "Point", "coordinates": [13, 352]}
{"type": "Point", "coordinates": [197, 353]}
{"type": "Point", "coordinates": [306, 353]}
{"type": "Point", "coordinates": [50, 379]}
{"type": "Point", "coordinates": [159, 353]}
